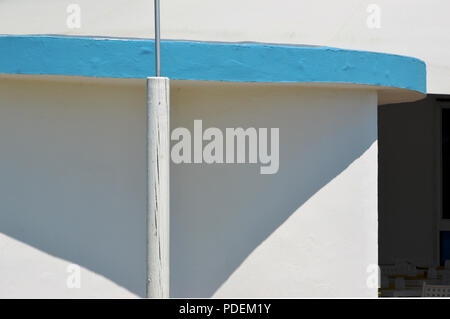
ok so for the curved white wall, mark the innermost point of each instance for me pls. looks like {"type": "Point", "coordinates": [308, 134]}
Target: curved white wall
{"type": "Point", "coordinates": [410, 27]}
{"type": "Point", "coordinates": [73, 188]}
{"type": "Point", "coordinates": [309, 230]}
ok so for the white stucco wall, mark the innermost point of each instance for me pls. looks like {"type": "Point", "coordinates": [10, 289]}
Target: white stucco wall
{"type": "Point", "coordinates": [410, 27]}
{"type": "Point", "coordinates": [73, 191]}
{"type": "Point", "coordinates": [311, 229]}
{"type": "Point", "coordinates": [28, 272]}
{"type": "Point", "coordinates": [72, 188]}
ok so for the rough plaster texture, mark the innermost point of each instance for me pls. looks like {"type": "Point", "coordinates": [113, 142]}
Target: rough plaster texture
{"type": "Point", "coordinates": [302, 232]}
{"type": "Point", "coordinates": [73, 185]}
{"type": "Point", "coordinates": [73, 188]}
{"type": "Point", "coordinates": [415, 28]}
{"type": "Point", "coordinates": [210, 61]}
{"type": "Point", "coordinates": [28, 272]}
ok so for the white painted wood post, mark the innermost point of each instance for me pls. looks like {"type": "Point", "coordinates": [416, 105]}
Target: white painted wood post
{"type": "Point", "coordinates": [158, 163]}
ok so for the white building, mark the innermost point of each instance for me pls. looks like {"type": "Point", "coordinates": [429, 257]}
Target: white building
{"type": "Point", "coordinates": [72, 135]}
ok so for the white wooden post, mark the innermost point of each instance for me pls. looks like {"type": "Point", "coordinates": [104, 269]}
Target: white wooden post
{"type": "Point", "coordinates": [158, 163]}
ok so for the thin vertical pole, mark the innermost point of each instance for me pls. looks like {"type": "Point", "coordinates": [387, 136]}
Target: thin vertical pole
{"type": "Point", "coordinates": [157, 40]}
{"type": "Point", "coordinates": [158, 201]}
{"type": "Point", "coordinates": [158, 179]}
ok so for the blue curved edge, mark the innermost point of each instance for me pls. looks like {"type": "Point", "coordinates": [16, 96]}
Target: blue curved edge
{"type": "Point", "coordinates": [209, 61]}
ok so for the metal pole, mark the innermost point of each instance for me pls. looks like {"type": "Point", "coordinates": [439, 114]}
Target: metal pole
{"type": "Point", "coordinates": [157, 40]}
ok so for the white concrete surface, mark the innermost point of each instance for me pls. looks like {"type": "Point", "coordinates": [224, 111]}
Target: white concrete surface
{"type": "Point", "coordinates": [310, 229]}
{"type": "Point", "coordinates": [410, 27]}
{"type": "Point", "coordinates": [330, 260]}
{"type": "Point", "coordinates": [27, 272]}
{"type": "Point", "coordinates": [73, 188]}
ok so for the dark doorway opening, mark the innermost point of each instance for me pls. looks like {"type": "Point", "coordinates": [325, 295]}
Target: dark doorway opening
{"type": "Point", "coordinates": [414, 193]}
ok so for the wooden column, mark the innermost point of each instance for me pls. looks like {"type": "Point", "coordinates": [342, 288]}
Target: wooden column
{"type": "Point", "coordinates": [158, 164]}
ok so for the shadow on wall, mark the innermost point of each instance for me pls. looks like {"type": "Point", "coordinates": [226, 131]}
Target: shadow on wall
{"type": "Point", "coordinates": [73, 173]}
{"type": "Point", "coordinates": [221, 213]}
{"type": "Point", "coordinates": [72, 168]}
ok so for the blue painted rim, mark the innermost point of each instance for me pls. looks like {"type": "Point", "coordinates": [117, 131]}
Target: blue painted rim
{"type": "Point", "coordinates": [208, 61]}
